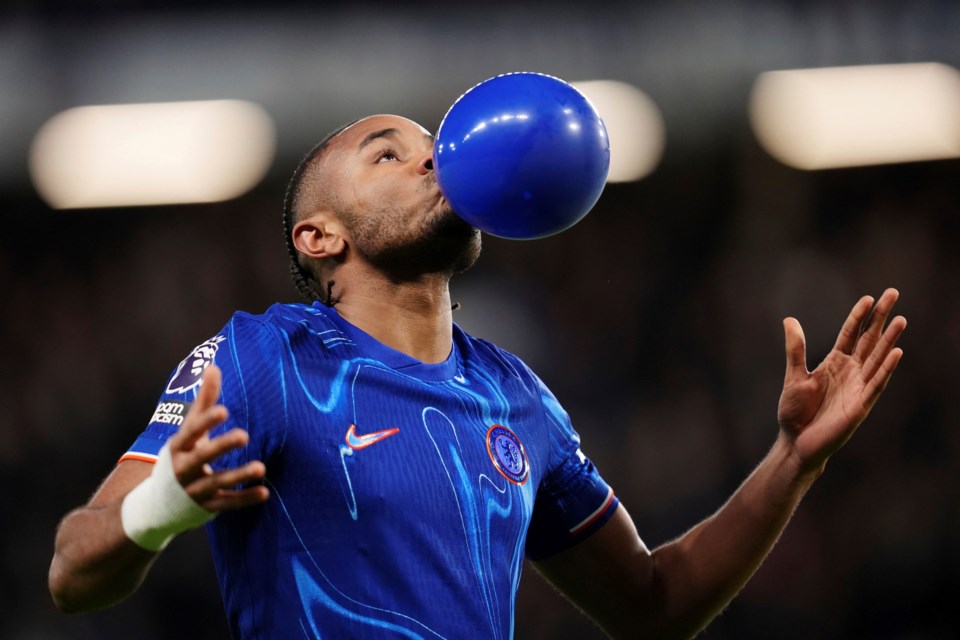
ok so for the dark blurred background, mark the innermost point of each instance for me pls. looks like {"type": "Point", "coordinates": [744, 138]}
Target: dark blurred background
{"type": "Point", "coordinates": [657, 320]}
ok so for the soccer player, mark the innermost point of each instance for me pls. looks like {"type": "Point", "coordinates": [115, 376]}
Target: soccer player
{"type": "Point", "coordinates": [377, 472]}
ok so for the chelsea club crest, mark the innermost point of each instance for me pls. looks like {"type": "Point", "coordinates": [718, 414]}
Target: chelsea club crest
{"type": "Point", "coordinates": [507, 453]}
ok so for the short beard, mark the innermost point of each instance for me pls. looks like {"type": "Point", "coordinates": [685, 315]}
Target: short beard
{"type": "Point", "coordinates": [445, 245]}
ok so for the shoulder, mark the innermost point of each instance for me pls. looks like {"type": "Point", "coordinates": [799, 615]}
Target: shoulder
{"type": "Point", "coordinates": [283, 323]}
{"type": "Point", "coordinates": [491, 355]}
{"type": "Point", "coordinates": [245, 340]}
{"type": "Point", "coordinates": [274, 318]}
{"type": "Point", "coordinates": [248, 336]}
{"type": "Point", "coordinates": [287, 340]}
{"type": "Point", "coordinates": [501, 361]}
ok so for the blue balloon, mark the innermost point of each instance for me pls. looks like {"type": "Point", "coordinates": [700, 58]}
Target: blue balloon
{"type": "Point", "coordinates": [522, 156]}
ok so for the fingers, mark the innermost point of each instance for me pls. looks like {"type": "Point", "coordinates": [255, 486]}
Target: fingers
{"type": "Point", "coordinates": [873, 325]}
{"type": "Point", "coordinates": [796, 349]}
{"type": "Point", "coordinates": [204, 414]}
{"type": "Point", "coordinates": [878, 383]}
{"type": "Point", "coordinates": [192, 450]}
{"type": "Point", "coordinates": [219, 486]}
{"type": "Point", "coordinates": [877, 361]}
{"type": "Point", "coordinates": [874, 344]}
{"type": "Point", "coordinates": [850, 331]}
{"type": "Point", "coordinates": [190, 464]}
{"type": "Point", "coordinates": [226, 500]}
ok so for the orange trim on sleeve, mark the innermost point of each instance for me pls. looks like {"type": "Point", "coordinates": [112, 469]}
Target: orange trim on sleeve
{"type": "Point", "coordinates": [142, 457]}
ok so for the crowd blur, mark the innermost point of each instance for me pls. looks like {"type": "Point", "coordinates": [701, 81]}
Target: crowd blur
{"type": "Point", "coordinates": [656, 320]}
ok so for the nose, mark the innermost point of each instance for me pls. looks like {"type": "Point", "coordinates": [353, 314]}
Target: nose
{"type": "Point", "coordinates": [425, 165]}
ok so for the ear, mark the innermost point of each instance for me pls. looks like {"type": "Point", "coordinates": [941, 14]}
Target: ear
{"type": "Point", "coordinates": [319, 236]}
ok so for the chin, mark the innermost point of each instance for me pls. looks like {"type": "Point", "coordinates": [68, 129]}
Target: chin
{"type": "Point", "coordinates": [448, 222]}
{"type": "Point", "coordinates": [455, 242]}
{"type": "Point", "coordinates": [445, 244]}
{"type": "Point", "coordinates": [471, 251]}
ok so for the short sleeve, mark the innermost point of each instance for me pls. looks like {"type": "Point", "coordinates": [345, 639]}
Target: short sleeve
{"type": "Point", "coordinates": [248, 354]}
{"type": "Point", "coordinates": [573, 500]}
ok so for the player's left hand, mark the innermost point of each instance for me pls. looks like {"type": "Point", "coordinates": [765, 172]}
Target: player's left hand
{"type": "Point", "coordinates": [819, 410]}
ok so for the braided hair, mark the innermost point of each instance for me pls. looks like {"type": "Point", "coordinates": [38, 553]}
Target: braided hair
{"type": "Point", "coordinates": [304, 279]}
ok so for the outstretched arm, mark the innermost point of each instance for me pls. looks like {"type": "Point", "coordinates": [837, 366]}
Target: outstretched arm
{"type": "Point", "coordinates": [95, 563]}
{"type": "Point", "coordinates": [677, 589]}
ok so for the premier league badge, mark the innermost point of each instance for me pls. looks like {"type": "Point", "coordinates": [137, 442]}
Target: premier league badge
{"type": "Point", "coordinates": [190, 371]}
{"type": "Point", "coordinates": [507, 453]}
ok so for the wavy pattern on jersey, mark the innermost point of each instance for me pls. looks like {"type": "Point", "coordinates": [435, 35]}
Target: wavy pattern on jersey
{"type": "Point", "coordinates": [477, 403]}
{"type": "Point", "coordinates": [297, 377]}
{"type": "Point", "coordinates": [479, 500]}
{"type": "Point", "coordinates": [352, 498]}
{"type": "Point", "coordinates": [312, 593]}
{"type": "Point", "coordinates": [325, 406]}
{"type": "Point", "coordinates": [480, 401]}
{"type": "Point", "coordinates": [477, 507]}
{"type": "Point", "coordinates": [330, 338]}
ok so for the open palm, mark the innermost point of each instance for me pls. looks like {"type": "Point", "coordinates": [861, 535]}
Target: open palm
{"type": "Point", "coordinates": [819, 410]}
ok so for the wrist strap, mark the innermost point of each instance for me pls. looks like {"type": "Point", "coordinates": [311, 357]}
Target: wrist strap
{"type": "Point", "coordinates": [159, 509]}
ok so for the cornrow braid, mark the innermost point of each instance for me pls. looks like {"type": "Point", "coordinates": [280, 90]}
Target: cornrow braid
{"type": "Point", "coordinates": [303, 279]}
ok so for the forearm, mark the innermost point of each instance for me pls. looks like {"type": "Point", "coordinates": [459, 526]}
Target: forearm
{"type": "Point", "coordinates": [698, 574]}
{"type": "Point", "coordinates": [95, 564]}
{"type": "Point", "coordinates": [819, 410]}
{"type": "Point", "coordinates": [675, 591]}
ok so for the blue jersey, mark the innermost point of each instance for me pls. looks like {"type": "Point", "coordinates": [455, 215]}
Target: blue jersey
{"type": "Point", "coordinates": [404, 495]}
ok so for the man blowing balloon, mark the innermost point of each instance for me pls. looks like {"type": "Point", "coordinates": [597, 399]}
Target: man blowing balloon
{"type": "Point", "coordinates": [367, 469]}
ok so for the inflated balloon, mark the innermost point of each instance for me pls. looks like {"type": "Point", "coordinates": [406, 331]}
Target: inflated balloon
{"type": "Point", "coordinates": [522, 156]}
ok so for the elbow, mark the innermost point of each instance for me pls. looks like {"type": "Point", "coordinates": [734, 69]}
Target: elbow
{"type": "Point", "coordinates": [78, 593]}
{"type": "Point", "coordinates": [63, 605]}
{"type": "Point", "coordinates": [660, 613]}
{"type": "Point", "coordinates": [641, 607]}
{"type": "Point", "coordinates": [59, 591]}
{"type": "Point", "coordinates": [66, 592]}
{"type": "Point", "coordinates": [679, 611]}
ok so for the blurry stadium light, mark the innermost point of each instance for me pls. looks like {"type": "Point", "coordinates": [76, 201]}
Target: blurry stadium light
{"type": "Point", "coordinates": [144, 154]}
{"type": "Point", "coordinates": [855, 116]}
{"type": "Point", "coordinates": [634, 126]}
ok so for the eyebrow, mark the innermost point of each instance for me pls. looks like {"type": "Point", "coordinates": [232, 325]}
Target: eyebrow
{"type": "Point", "coordinates": [382, 133]}
{"type": "Point", "coordinates": [389, 132]}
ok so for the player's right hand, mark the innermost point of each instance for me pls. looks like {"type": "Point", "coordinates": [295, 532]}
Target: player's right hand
{"type": "Point", "coordinates": [192, 450]}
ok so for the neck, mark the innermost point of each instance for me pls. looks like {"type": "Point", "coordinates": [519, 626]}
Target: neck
{"type": "Point", "coordinates": [411, 317]}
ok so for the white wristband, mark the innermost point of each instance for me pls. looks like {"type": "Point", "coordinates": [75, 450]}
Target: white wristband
{"type": "Point", "coordinates": [158, 509]}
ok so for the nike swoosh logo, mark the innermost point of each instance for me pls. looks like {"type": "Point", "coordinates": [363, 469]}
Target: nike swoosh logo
{"type": "Point", "coordinates": [356, 441]}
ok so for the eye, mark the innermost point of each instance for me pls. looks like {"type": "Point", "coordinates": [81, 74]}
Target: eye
{"type": "Point", "coordinates": [386, 155]}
